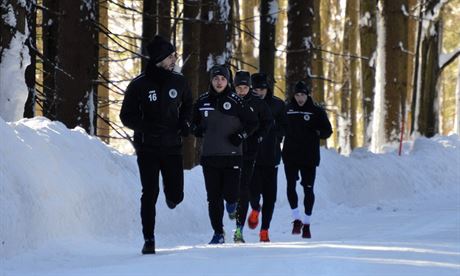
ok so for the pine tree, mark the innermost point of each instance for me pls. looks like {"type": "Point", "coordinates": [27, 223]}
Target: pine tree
{"type": "Point", "coordinates": [50, 34]}
{"type": "Point", "coordinates": [368, 44]}
{"type": "Point", "coordinates": [299, 43]}
{"type": "Point", "coordinates": [149, 26]}
{"type": "Point", "coordinates": [191, 56]}
{"type": "Point", "coordinates": [76, 83]}
{"type": "Point", "coordinates": [268, 17]}
{"type": "Point", "coordinates": [31, 14]}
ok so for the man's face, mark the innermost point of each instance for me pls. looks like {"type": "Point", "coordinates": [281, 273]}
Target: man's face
{"type": "Point", "coordinates": [261, 92]}
{"type": "Point", "coordinates": [169, 62]}
{"type": "Point", "coordinates": [219, 83]}
{"type": "Point", "coordinates": [242, 90]}
{"type": "Point", "coordinates": [300, 98]}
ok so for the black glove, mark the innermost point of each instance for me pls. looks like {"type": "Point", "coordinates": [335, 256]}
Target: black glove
{"type": "Point", "coordinates": [237, 138]}
{"type": "Point", "coordinates": [198, 131]}
{"type": "Point", "coordinates": [184, 130]}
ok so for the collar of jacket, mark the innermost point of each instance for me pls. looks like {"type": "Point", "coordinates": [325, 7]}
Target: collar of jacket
{"type": "Point", "coordinates": [214, 94]}
{"type": "Point", "coordinates": [251, 94]}
{"type": "Point", "coordinates": [308, 103]}
{"type": "Point", "coordinates": [268, 97]}
{"type": "Point", "coordinates": [156, 73]}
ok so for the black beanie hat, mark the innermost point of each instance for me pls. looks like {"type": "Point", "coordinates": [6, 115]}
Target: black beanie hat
{"type": "Point", "coordinates": [302, 87]}
{"type": "Point", "coordinates": [259, 80]}
{"type": "Point", "coordinates": [221, 70]}
{"type": "Point", "coordinates": [159, 49]}
{"type": "Point", "coordinates": [242, 78]}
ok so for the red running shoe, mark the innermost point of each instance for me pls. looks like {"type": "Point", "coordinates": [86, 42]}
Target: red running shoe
{"type": "Point", "coordinates": [264, 236]}
{"type": "Point", "coordinates": [296, 227]}
{"type": "Point", "coordinates": [306, 231]}
{"type": "Point", "coordinates": [253, 219]}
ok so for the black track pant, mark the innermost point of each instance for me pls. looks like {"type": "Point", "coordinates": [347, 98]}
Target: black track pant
{"type": "Point", "coordinates": [264, 182]}
{"type": "Point", "coordinates": [221, 184]}
{"type": "Point", "coordinates": [150, 165]}
{"type": "Point", "coordinates": [243, 201]}
{"type": "Point", "coordinates": [308, 175]}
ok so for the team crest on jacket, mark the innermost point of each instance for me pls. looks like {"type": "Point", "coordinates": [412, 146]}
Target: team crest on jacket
{"type": "Point", "coordinates": [227, 105]}
{"type": "Point", "coordinates": [306, 117]}
{"type": "Point", "coordinates": [173, 93]}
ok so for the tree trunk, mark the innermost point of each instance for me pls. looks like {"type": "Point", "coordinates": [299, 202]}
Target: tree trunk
{"type": "Point", "coordinates": [14, 58]}
{"type": "Point", "coordinates": [78, 58]}
{"type": "Point", "coordinates": [412, 25]}
{"type": "Point", "coordinates": [428, 118]}
{"type": "Point", "coordinates": [331, 11]}
{"type": "Point", "coordinates": [299, 43]}
{"type": "Point", "coordinates": [415, 79]}
{"type": "Point", "coordinates": [268, 17]}
{"type": "Point", "coordinates": [345, 92]}
{"type": "Point", "coordinates": [356, 100]}
{"type": "Point", "coordinates": [457, 103]}
{"type": "Point", "coordinates": [248, 23]}
{"type": "Point", "coordinates": [29, 107]}
{"type": "Point", "coordinates": [425, 114]}
{"type": "Point", "coordinates": [213, 47]}
{"type": "Point", "coordinates": [395, 86]}
{"type": "Point", "coordinates": [191, 55]}
{"type": "Point", "coordinates": [103, 109]}
{"type": "Point", "coordinates": [149, 27]}
{"type": "Point", "coordinates": [280, 56]}
{"type": "Point", "coordinates": [176, 23]}
{"type": "Point", "coordinates": [228, 7]}
{"type": "Point", "coordinates": [50, 35]}
{"type": "Point", "coordinates": [368, 43]}
{"type": "Point", "coordinates": [317, 62]}
{"type": "Point", "coordinates": [164, 18]}
{"type": "Point", "coordinates": [350, 102]}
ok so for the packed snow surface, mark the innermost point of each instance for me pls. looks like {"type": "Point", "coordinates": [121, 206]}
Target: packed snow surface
{"type": "Point", "coordinates": [69, 205]}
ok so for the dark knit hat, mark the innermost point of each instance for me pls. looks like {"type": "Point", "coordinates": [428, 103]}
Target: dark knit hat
{"type": "Point", "coordinates": [259, 80]}
{"type": "Point", "coordinates": [242, 78]}
{"type": "Point", "coordinates": [302, 87]}
{"type": "Point", "coordinates": [159, 49]}
{"type": "Point", "coordinates": [221, 70]}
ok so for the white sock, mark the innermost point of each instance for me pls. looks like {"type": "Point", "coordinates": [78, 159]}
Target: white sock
{"type": "Point", "coordinates": [295, 214]}
{"type": "Point", "coordinates": [306, 219]}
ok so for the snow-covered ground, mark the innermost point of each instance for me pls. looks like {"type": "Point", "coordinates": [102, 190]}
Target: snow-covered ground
{"type": "Point", "coordinates": [69, 205]}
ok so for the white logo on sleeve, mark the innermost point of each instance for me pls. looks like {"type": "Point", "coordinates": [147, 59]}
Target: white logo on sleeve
{"type": "Point", "coordinates": [227, 105]}
{"type": "Point", "coordinates": [173, 93]}
{"type": "Point", "coordinates": [152, 96]}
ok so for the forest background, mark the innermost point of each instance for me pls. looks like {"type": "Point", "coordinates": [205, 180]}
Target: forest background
{"type": "Point", "coordinates": [384, 70]}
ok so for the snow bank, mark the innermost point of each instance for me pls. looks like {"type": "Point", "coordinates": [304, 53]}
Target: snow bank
{"type": "Point", "coordinates": [57, 183]}
{"type": "Point", "coordinates": [428, 167]}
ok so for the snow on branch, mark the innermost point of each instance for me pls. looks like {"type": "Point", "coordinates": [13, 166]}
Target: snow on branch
{"type": "Point", "coordinates": [446, 59]}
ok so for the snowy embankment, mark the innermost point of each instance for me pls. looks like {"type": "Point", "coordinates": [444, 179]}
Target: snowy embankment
{"type": "Point", "coordinates": [60, 186]}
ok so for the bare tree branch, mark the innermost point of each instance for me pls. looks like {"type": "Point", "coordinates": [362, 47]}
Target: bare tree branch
{"type": "Point", "coordinates": [445, 60]}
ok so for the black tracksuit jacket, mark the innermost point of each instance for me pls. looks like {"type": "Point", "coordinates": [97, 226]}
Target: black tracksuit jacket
{"type": "Point", "coordinates": [158, 107]}
{"type": "Point", "coordinates": [270, 150]}
{"type": "Point", "coordinates": [217, 116]}
{"type": "Point", "coordinates": [306, 126]}
{"type": "Point", "coordinates": [264, 116]}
